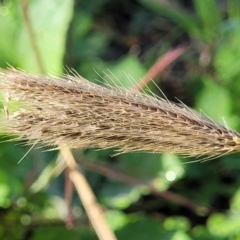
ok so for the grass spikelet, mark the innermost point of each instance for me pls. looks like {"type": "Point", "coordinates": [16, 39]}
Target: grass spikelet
{"type": "Point", "coordinates": [73, 111]}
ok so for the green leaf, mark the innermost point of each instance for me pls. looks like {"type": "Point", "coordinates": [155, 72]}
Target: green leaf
{"type": "Point", "coordinates": [54, 233]}
{"type": "Point", "coordinates": [179, 235]}
{"type": "Point", "coordinates": [83, 24]}
{"type": "Point", "coordinates": [8, 28]}
{"type": "Point", "coordinates": [221, 225]}
{"type": "Point", "coordinates": [119, 195]}
{"type": "Point", "coordinates": [146, 166]}
{"type": "Point", "coordinates": [116, 219]}
{"type": "Point", "coordinates": [50, 21]}
{"type": "Point", "coordinates": [143, 228]}
{"type": "Point", "coordinates": [227, 58]}
{"type": "Point", "coordinates": [184, 19]}
{"type": "Point", "coordinates": [172, 169]}
{"type": "Point", "coordinates": [210, 17]}
{"type": "Point", "coordinates": [91, 46]}
{"type": "Point", "coordinates": [214, 101]}
{"type": "Point", "coordinates": [235, 202]}
{"type": "Point", "coordinates": [126, 72]}
{"type": "Point", "coordinates": [233, 9]}
{"type": "Point", "coordinates": [177, 223]}
{"type": "Point", "coordinates": [4, 187]}
{"type": "Point", "coordinates": [159, 170]}
{"type": "Point", "coordinates": [208, 13]}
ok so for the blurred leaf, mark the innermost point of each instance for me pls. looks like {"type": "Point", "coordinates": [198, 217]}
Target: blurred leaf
{"type": "Point", "coordinates": [172, 169]}
{"type": "Point", "coordinates": [214, 101]}
{"type": "Point", "coordinates": [221, 225]}
{"type": "Point", "coordinates": [142, 228]}
{"type": "Point", "coordinates": [9, 24]}
{"type": "Point", "coordinates": [179, 235]}
{"type": "Point", "coordinates": [119, 195]}
{"type": "Point", "coordinates": [50, 21]}
{"type": "Point", "coordinates": [140, 165]}
{"type": "Point", "coordinates": [116, 219]}
{"type": "Point", "coordinates": [126, 72]}
{"type": "Point", "coordinates": [102, 36]}
{"type": "Point", "coordinates": [235, 202]}
{"type": "Point", "coordinates": [231, 162]}
{"type": "Point", "coordinates": [200, 232]}
{"type": "Point", "coordinates": [147, 228]}
{"type": "Point", "coordinates": [10, 224]}
{"type": "Point", "coordinates": [177, 223]}
{"type": "Point", "coordinates": [184, 19]}
{"type": "Point", "coordinates": [83, 23]}
{"type": "Point", "coordinates": [55, 233]}
{"type": "Point", "coordinates": [4, 187]}
{"type": "Point", "coordinates": [227, 58]}
{"type": "Point", "coordinates": [209, 15]}
{"type": "Point", "coordinates": [161, 171]}
{"type": "Point", "coordinates": [233, 9]}
{"type": "Point", "coordinates": [90, 47]}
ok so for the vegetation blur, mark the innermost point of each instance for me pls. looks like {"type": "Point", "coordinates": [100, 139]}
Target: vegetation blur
{"type": "Point", "coordinates": [144, 196]}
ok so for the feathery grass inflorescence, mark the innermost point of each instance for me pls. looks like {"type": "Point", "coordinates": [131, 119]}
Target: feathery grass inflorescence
{"type": "Point", "coordinates": [73, 111]}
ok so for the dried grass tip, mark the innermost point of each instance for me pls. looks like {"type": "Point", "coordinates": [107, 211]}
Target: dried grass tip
{"type": "Point", "coordinates": [73, 111]}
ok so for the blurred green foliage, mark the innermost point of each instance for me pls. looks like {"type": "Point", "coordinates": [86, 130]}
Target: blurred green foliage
{"type": "Point", "coordinates": [119, 41]}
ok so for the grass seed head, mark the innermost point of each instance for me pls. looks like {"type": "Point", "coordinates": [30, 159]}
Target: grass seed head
{"type": "Point", "coordinates": [73, 111]}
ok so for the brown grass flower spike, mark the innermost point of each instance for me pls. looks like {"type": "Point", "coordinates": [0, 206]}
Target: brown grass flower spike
{"type": "Point", "coordinates": [73, 111]}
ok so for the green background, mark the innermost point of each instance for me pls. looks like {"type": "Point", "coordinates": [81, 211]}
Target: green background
{"type": "Point", "coordinates": [122, 39]}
